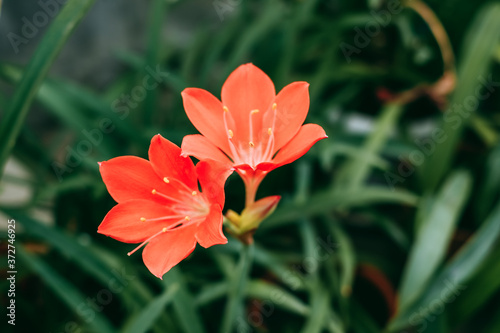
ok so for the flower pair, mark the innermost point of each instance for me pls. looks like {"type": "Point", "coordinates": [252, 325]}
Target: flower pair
{"type": "Point", "coordinates": [251, 131]}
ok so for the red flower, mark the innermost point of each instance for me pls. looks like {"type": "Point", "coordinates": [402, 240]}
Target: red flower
{"type": "Point", "coordinates": [253, 129]}
{"type": "Point", "coordinates": [159, 204]}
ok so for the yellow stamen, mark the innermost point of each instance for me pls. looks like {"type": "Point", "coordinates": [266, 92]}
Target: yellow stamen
{"type": "Point", "coordinates": [187, 218]}
{"type": "Point", "coordinates": [254, 111]}
{"type": "Point", "coordinates": [251, 144]}
{"type": "Point", "coordinates": [153, 191]}
{"type": "Point", "coordinates": [143, 219]}
{"type": "Point", "coordinates": [230, 133]}
{"type": "Point", "coordinates": [269, 131]}
{"type": "Point", "coordinates": [275, 106]}
{"type": "Point", "coordinates": [166, 180]}
{"type": "Point", "coordinates": [194, 193]}
{"type": "Point", "coordinates": [225, 109]}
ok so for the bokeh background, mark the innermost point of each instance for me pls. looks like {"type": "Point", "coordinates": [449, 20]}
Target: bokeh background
{"type": "Point", "coordinates": [389, 225]}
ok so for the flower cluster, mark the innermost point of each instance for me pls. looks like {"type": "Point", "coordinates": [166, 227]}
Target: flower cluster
{"type": "Point", "coordinates": [169, 205]}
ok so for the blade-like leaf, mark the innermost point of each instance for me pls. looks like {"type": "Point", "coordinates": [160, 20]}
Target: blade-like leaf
{"type": "Point", "coordinates": [433, 238]}
{"type": "Point", "coordinates": [52, 42]}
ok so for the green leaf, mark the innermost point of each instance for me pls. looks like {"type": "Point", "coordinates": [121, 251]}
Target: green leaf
{"type": "Point", "coordinates": [146, 318]}
{"type": "Point", "coordinates": [326, 201]}
{"type": "Point", "coordinates": [450, 281]}
{"type": "Point", "coordinates": [183, 302]}
{"type": "Point", "coordinates": [68, 293]}
{"type": "Point", "coordinates": [476, 58]}
{"type": "Point", "coordinates": [278, 297]}
{"type": "Point", "coordinates": [355, 172]}
{"type": "Point", "coordinates": [346, 255]}
{"type": "Point", "coordinates": [55, 37]}
{"type": "Point", "coordinates": [433, 238]}
{"type": "Point", "coordinates": [237, 287]}
{"type": "Point", "coordinates": [320, 300]}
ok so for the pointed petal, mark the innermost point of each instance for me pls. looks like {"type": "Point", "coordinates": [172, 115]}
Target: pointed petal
{"type": "Point", "coordinates": [167, 161]}
{"type": "Point", "coordinates": [123, 221]}
{"type": "Point", "coordinates": [168, 249]}
{"type": "Point", "coordinates": [130, 177]}
{"type": "Point", "coordinates": [200, 147]}
{"type": "Point", "coordinates": [209, 232]}
{"type": "Point", "coordinates": [292, 106]}
{"type": "Point", "coordinates": [307, 136]}
{"type": "Point", "coordinates": [212, 176]}
{"type": "Point", "coordinates": [205, 111]}
{"type": "Point", "coordinates": [247, 88]}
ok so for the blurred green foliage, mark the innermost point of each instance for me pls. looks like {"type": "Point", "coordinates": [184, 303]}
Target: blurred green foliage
{"type": "Point", "coordinates": [391, 224]}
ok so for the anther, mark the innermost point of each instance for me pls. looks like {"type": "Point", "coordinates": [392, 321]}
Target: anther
{"type": "Point", "coordinates": [254, 111]}
{"type": "Point", "coordinates": [153, 191]}
{"type": "Point", "coordinates": [225, 108]}
{"type": "Point", "coordinates": [165, 179]}
{"type": "Point", "coordinates": [275, 106]}
{"type": "Point", "coordinates": [269, 131]}
{"type": "Point", "coordinates": [194, 193]}
{"type": "Point", "coordinates": [187, 218]}
{"type": "Point", "coordinates": [143, 219]}
{"type": "Point", "coordinates": [230, 133]}
{"type": "Point", "coordinates": [251, 144]}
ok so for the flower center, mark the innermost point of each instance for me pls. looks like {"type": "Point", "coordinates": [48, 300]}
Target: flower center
{"type": "Point", "coordinates": [258, 148]}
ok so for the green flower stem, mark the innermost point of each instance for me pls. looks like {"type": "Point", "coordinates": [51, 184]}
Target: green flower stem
{"type": "Point", "coordinates": [238, 284]}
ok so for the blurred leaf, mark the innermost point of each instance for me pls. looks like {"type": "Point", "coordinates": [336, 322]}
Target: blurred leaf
{"type": "Point", "coordinates": [483, 128]}
{"type": "Point", "coordinates": [355, 172]}
{"type": "Point", "coordinates": [326, 201]}
{"type": "Point", "coordinates": [65, 290]}
{"type": "Point", "coordinates": [480, 289]}
{"type": "Point", "coordinates": [65, 244]}
{"type": "Point", "coordinates": [346, 256]}
{"type": "Point", "coordinates": [319, 310]}
{"type": "Point", "coordinates": [433, 237]}
{"type": "Point", "coordinates": [183, 303]}
{"type": "Point", "coordinates": [154, 36]}
{"type": "Point", "coordinates": [146, 318]}
{"type": "Point", "coordinates": [489, 189]}
{"type": "Point", "coordinates": [476, 58]}
{"type": "Point", "coordinates": [278, 297]}
{"type": "Point", "coordinates": [237, 286]}
{"type": "Point", "coordinates": [451, 279]}
{"type": "Point", "coordinates": [54, 38]}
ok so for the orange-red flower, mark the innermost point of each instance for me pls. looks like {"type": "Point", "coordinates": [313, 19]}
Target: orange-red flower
{"type": "Point", "coordinates": [252, 129]}
{"type": "Point", "coordinates": [160, 205]}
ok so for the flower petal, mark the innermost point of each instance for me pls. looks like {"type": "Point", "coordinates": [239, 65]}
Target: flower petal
{"type": "Point", "coordinates": [292, 106]}
{"type": "Point", "coordinates": [130, 177]}
{"type": "Point", "coordinates": [247, 88]}
{"type": "Point", "coordinates": [209, 232]}
{"type": "Point", "coordinates": [123, 221]}
{"type": "Point", "coordinates": [168, 249]}
{"type": "Point", "coordinates": [212, 176]}
{"type": "Point", "coordinates": [200, 147]}
{"type": "Point", "coordinates": [307, 136]}
{"type": "Point", "coordinates": [167, 161]}
{"type": "Point", "coordinates": [205, 111]}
